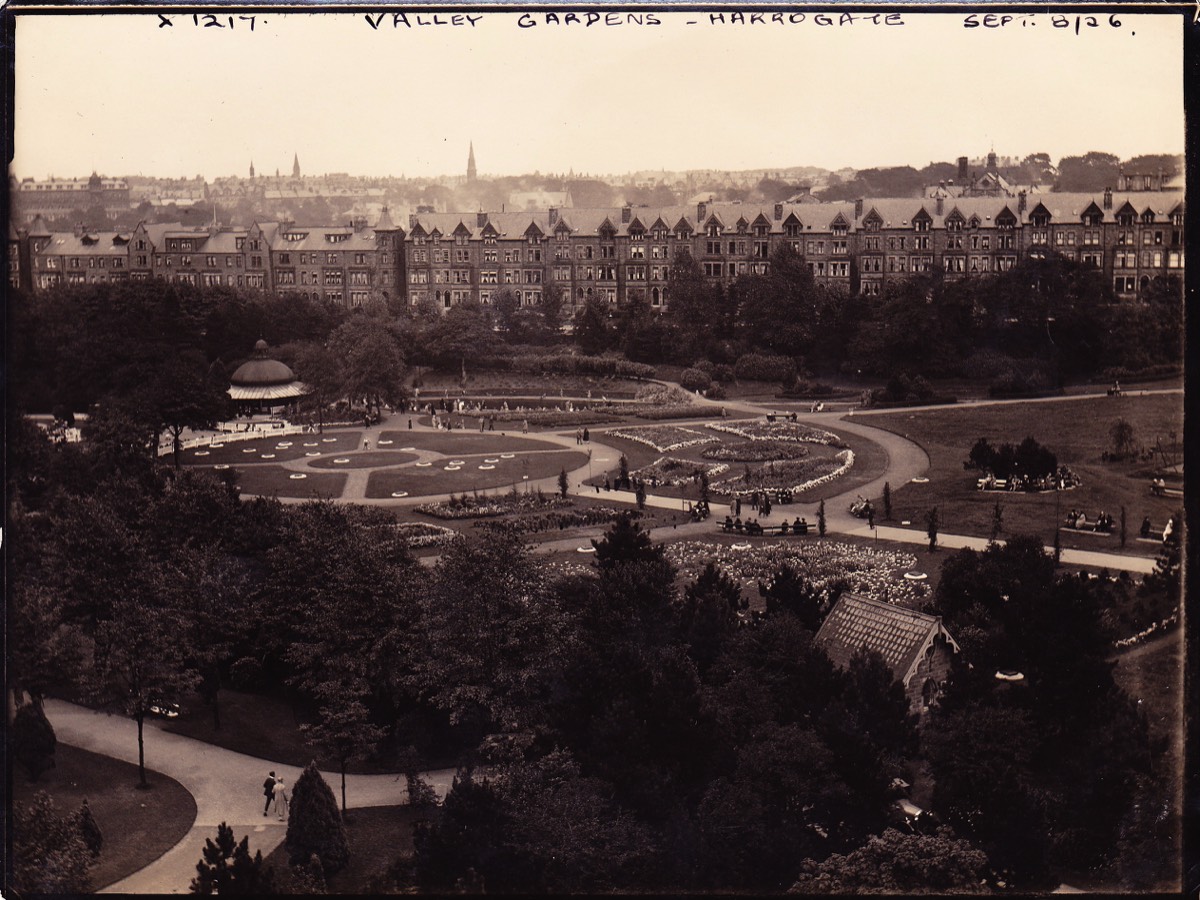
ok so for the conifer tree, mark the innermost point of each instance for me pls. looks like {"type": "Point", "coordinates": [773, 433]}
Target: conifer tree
{"type": "Point", "coordinates": [315, 825]}
{"type": "Point", "coordinates": [32, 740]}
{"type": "Point", "coordinates": [227, 869]}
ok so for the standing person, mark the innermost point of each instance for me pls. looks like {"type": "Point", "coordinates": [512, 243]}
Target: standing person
{"type": "Point", "coordinates": [524, 426]}
{"type": "Point", "coordinates": [586, 437]}
{"type": "Point", "coordinates": [268, 790]}
{"type": "Point", "coordinates": [737, 512]}
{"type": "Point", "coordinates": [281, 799]}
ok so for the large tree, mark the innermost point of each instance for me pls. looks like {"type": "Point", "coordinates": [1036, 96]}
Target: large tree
{"type": "Point", "coordinates": [899, 863]}
{"type": "Point", "coordinates": [372, 367]}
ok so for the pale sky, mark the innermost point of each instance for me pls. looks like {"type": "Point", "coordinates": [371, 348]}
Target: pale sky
{"type": "Point", "coordinates": [120, 95]}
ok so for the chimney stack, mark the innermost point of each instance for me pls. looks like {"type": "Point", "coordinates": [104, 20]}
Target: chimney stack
{"type": "Point", "coordinates": [553, 216]}
{"type": "Point", "coordinates": [412, 221]}
{"type": "Point", "coordinates": [701, 209]}
{"type": "Point", "coordinates": [1022, 199]}
{"type": "Point", "coordinates": [358, 223]}
{"type": "Point", "coordinates": [858, 208]}
{"type": "Point", "coordinates": [1108, 198]}
{"type": "Point", "coordinates": [480, 219]}
{"type": "Point", "coordinates": [992, 161]}
{"type": "Point", "coordinates": [80, 229]}
{"type": "Point", "coordinates": [962, 168]}
{"type": "Point", "coordinates": [940, 206]}
{"type": "Point", "coordinates": [778, 212]}
{"type": "Point", "coordinates": [626, 214]}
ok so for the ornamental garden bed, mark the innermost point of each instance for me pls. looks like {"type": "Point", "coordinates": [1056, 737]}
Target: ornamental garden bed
{"type": "Point", "coordinates": [874, 570]}
{"type": "Point", "coordinates": [480, 506]}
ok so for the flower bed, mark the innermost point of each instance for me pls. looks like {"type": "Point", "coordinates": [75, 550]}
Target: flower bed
{"type": "Point", "coordinates": [671, 471]}
{"type": "Point", "coordinates": [471, 506]}
{"type": "Point", "coordinates": [550, 418]}
{"type": "Point", "coordinates": [549, 521]}
{"type": "Point", "coordinates": [424, 534]}
{"type": "Point", "coordinates": [794, 475]}
{"type": "Point", "coordinates": [664, 438]}
{"type": "Point", "coordinates": [872, 572]}
{"type": "Point", "coordinates": [756, 451]}
{"type": "Point", "coordinates": [779, 431]}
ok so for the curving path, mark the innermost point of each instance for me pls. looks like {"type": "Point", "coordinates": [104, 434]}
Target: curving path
{"type": "Point", "coordinates": [905, 460]}
{"type": "Point", "coordinates": [227, 787]}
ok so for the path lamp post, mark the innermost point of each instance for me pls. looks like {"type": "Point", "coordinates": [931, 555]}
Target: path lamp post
{"type": "Point", "coordinates": [589, 465]}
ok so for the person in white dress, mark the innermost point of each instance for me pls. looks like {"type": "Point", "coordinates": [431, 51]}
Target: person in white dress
{"type": "Point", "coordinates": [281, 798]}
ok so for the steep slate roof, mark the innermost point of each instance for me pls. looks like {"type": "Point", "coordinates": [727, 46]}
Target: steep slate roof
{"type": "Point", "coordinates": [899, 635]}
{"type": "Point", "coordinates": [103, 243]}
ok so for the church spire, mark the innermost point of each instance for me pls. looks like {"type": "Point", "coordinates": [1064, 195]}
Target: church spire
{"type": "Point", "coordinates": [251, 168]}
{"type": "Point", "coordinates": [296, 166]}
{"type": "Point", "coordinates": [471, 163]}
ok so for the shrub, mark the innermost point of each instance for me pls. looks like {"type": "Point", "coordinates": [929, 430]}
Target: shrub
{"type": "Point", "coordinates": [724, 373]}
{"type": "Point", "coordinates": [694, 380]}
{"type": "Point", "coordinates": [88, 829]}
{"type": "Point", "coordinates": [705, 366]}
{"type": "Point", "coordinates": [805, 388]}
{"type": "Point", "coordinates": [1015, 383]}
{"type": "Point", "coordinates": [764, 367]}
{"type": "Point", "coordinates": [32, 740]}
{"type": "Point", "coordinates": [715, 392]}
{"type": "Point", "coordinates": [315, 825]}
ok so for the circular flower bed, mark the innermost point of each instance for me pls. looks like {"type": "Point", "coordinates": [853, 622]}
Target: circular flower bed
{"type": "Point", "coordinates": [756, 451]}
{"type": "Point", "coordinates": [471, 506]}
{"type": "Point", "coordinates": [671, 471]}
{"type": "Point", "coordinates": [794, 475]}
{"type": "Point", "coordinates": [663, 438]}
{"type": "Point", "coordinates": [779, 431]}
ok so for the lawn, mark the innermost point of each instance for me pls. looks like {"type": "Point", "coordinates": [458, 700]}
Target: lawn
{"type": "Point", "coordinates": [378, 836]}
{"type": "Point", "coordinates": [237, 452]}
{"type": "Point", "coordinates": [1077, 431]}
{"type": "Point", "coordinates": [465, 441]}
{"type": "Point", "coordinates": [434, 479]}
{"type": "Point", "coordinates": [364, 460]}
{"type": "Point", "coordinates": [138, 825]}
{"type": "Point", "coordinates": [276, 481]}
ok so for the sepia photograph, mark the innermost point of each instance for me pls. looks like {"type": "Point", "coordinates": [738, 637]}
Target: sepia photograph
{"type": "Point", "coordinates": [648, 449]}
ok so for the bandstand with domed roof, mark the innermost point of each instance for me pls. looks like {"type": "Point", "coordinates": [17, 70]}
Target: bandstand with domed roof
{"type": "Point", "coordinates": [262, 383]}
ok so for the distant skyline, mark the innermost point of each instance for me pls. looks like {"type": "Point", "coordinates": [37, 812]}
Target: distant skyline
{"type": "Point", "coordinates": [120, 95]}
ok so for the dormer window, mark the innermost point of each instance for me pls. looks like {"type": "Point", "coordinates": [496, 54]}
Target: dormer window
{"type": "Point", "coordinates": [713, 230]}
{"type": "Point", "coordinates": [1148, 217]}
{"type": "Point", "coordinates": [954, 224]}
{"type": "Point", "coordinates": [1040, 220]}
{"type": "Point", "coordinates": [761, 230]}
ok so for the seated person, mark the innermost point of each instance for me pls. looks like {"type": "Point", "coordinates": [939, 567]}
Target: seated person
{"type": "Point", "coordinates": [728, 526]}
{"type": "Point", "coordinates": [1145, 530]}
{"type": "Point", "coordinates": [737, 524]}
{"type": "Point", "coordinates": [800, 527]}
{"type": "Point", "coordinates": [783, 527]}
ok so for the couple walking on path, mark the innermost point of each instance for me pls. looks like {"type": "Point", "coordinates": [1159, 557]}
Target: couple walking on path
{"type": "Point", "coordinates": [276, 792]}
